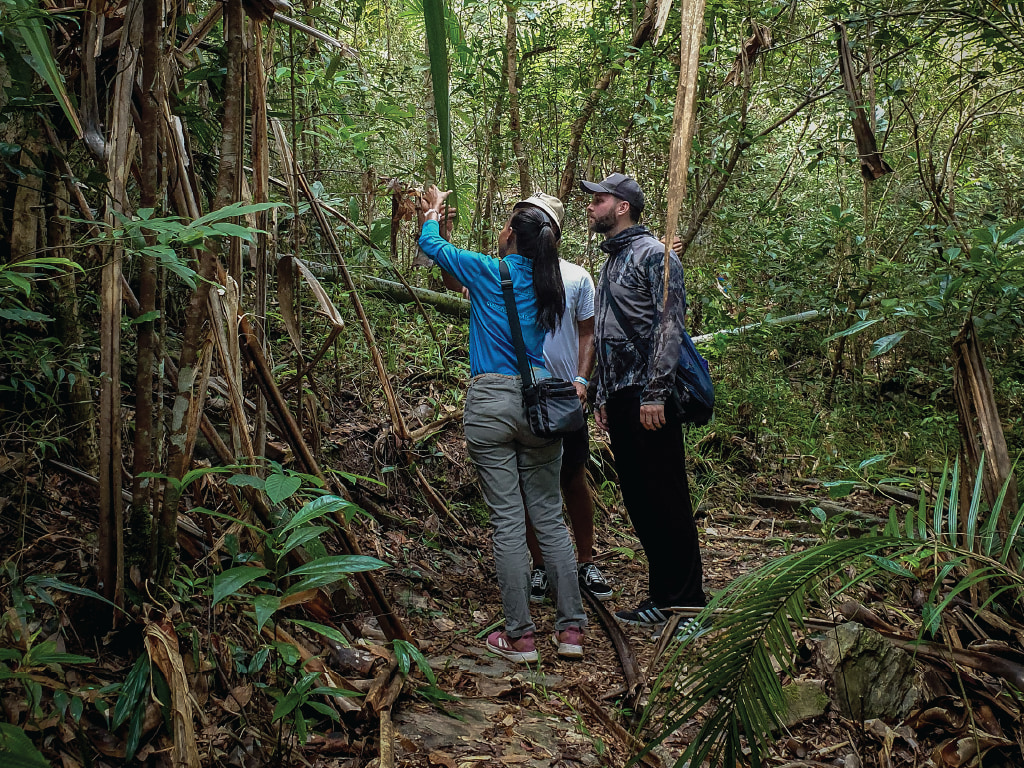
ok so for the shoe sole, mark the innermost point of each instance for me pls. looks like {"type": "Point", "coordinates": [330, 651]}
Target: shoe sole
{"type": "Point", "coordinates": [535, 599]}
{"type": "Point", "coordinates": [567, 650]}
{"type": "Point", "coordinates": [602, 596]}
{"type": "Point", "coordinates": [519, 656]}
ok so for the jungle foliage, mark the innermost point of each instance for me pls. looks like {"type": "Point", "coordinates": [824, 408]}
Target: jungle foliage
{"type": "Point", "coordinates": [196, 198]}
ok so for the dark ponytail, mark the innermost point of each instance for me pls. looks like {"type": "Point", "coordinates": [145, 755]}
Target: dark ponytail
{"type": "Point", "coordinates": [536, 240]}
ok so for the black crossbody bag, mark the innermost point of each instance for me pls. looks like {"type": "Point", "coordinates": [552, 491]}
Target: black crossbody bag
{"type": "Point", "coordinates": [552, 405]}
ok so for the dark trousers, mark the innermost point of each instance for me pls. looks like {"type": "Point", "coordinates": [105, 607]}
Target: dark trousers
{"type": "Point", "coordinates": [652, 475]}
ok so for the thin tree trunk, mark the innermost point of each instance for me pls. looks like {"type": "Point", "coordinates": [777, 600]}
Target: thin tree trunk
{"type": "Point", "coordinates": [79, 414]}
{"type": "Point", "coordinates": [140, 519]}
{"type": "Point", "coordinates": [260, 186]}
{"type": "Point", "coordinates": [187, 401]}
{"type": "Point", "coordinates": [514, 124]}
{"type": "Point", "coordinates": [110, 558]}
{"type": "Point", "coordinates": [642, 35]}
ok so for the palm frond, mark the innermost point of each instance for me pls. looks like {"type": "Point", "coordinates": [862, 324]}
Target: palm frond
{"type": "Point", "coordinates": [436, 24]}
{"type": "Point", "coordinates": [752, 622]}
{"type": "Point", "coordinates": [734, 688]}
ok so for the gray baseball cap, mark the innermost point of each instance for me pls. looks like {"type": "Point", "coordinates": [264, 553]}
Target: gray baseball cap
{"type": "Point", "coordinates": [621, 186]}
{"type": "Point", "coordinates": [550, 204]}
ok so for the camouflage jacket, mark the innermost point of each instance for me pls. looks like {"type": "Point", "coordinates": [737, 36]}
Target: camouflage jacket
{"type": "Point", "coordinates": [634, 274]}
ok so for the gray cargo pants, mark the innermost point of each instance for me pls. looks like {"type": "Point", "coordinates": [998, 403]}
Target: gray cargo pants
{"type": "Point", "coordinates": [515, 465]}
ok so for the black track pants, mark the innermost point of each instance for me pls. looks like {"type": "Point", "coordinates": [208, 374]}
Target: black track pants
{"type": "Point", "coordinates": [652, 474]}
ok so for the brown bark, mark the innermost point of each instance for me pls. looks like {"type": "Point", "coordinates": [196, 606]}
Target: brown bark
{"type": "Point", "coordinates": [187, 401]}
{"type": "Point", "coordinates": [981, 431]}
{"type": "Point", "coordinates": [110, 558]}
{"type": "Point", "coordinates": [260, 194]}
{"type": "Point", "coordinates": [643, 33]}
{"type": "Point", "coordinates": [514, 123]}
{"type": "Point", "coordinates": [872, 166]}
{"type": "Point", "coordinates": [143, 457]}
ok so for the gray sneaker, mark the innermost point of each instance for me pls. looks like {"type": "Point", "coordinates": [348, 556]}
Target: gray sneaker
{"type": "Point", "coordinates": [594, 581]}
{"type": "Point", "coordinates": [538, 585]}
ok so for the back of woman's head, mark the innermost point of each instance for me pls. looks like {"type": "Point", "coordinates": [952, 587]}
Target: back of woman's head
{"type": "Point", "coordinates": [537, 240]}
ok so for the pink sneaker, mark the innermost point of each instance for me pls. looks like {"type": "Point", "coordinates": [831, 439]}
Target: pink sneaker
{"type": "Point", "coordinates": [520, 649]}
{"type": "Point", "coordinates": [569, 642]}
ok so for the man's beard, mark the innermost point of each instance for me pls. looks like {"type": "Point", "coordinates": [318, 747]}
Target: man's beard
{"type": "Point", "coordinates": [603, 224]}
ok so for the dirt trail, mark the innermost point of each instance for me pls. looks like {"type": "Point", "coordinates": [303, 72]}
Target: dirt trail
{"type": "Point", "coordinates": [512, 715]}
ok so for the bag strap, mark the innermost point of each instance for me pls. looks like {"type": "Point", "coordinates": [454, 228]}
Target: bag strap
{"type": "Point", "coordinates": [513, 323]}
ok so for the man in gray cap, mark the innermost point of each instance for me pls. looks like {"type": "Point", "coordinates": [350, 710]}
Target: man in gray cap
{"type": "Point", "coordinates": [637, 340]}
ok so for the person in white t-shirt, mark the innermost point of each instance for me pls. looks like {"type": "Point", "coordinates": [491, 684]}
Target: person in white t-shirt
{"type": "Point", "coordinates": [569, 354]}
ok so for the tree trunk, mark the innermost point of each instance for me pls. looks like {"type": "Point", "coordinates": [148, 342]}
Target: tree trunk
{"type": "Point", "coordinates": [79, 414]}
{"type": "Point", "coordinates": [514, 124]}
{"type": "Point", "coordinates": [981, 431]}
{"type": "Point", "coordinates": [641, 36]}
{"type": "Point", "coordinates": [110, 559]}
{"type": "Point", "coordinates": [140, 519]}
{"type": "Point", "coordinates": [188, 403]}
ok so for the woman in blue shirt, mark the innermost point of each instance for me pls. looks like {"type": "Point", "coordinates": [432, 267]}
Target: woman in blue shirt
{"type": "Point", "coordinates": [514, 465]}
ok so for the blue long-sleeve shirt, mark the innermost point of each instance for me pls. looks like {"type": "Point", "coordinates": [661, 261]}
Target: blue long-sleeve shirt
{"type": "Point", "coordinates": [490, 338]}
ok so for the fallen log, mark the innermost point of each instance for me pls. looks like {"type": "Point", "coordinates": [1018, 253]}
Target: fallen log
{"type": "Point", "coordinates": [445, 303]}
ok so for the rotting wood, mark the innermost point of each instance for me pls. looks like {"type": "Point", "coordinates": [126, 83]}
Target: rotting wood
{"type": "Point", "coordinates": [627, 658]}
{"type": "Point", "coordinates": [981, 431]}
{"type": "Point", "coordinates": [631, 742]}
{"type": "Point", "coordinates": [387, 739]}
{"type": "Point", "coordinates": [387, 684]}
{"type": "Point", "coordinates": [872, 165]}
{"type": "Point", "coordinates": [792, 503]}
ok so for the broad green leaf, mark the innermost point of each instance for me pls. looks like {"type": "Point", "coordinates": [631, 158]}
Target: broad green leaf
{"type": "Point", "coordinates": [241, 481]}
{"type": "Point", "coordinates": [29, 23]}
{"type": "Point", "coordinates": [316, 508]}
{"type": "Point", "coordinates": [329, 632]}
{"type": "Point", "coordinates": [24, 316]}
{"type": "Point", "coordinates": [265, 607]}
{"type": "Point", "coordinates": [852, 330]}
{"type": "Point", "coordinates": [338, 564]}
{"type": "Point", "coordinates": [884, 344]}
{"type": "Point", "coordinates": [279, 487]}
{"type": "Point", "coordinates": [437, 45]}
{"type": "Point", "coordinates": [17, 750]}
{"type": "Point", "coordinates": [133, 692]}
{"type": "Point", "coordinates": [233, 211]}
{"type": "Point", "coordinates": [45, 653]}
{"type": "Point", "coordinates": [51, 582]}
{"type": "Point", "coordinates": [837, 489]}
{"type": "Point", "coordinates": [228, 583]}
{"type": "Point", "coordinates": [972, 513]}
{"type": "Point", "coordinates": [301, 536]}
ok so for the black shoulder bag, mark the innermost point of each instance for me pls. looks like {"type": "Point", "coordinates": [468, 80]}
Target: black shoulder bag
{"type": "Point", "coordinates": [692, 396]}
{"type": "Point", "coordinates": [552, 405]}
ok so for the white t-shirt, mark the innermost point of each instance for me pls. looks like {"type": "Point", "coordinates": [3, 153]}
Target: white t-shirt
{"type": "Point", "coordinates": [562, 347]}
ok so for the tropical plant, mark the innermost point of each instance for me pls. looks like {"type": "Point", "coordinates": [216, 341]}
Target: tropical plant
{"type": "Point", "coordinates": [945, 550]}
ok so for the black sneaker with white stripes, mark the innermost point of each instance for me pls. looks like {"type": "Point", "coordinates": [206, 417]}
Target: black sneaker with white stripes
{"type": "Point", "coordinates": [538, 585]}
{"type": "Point", "coordinates": [594, 581]}
{"type": "Point", "coordinates": [644, 615]}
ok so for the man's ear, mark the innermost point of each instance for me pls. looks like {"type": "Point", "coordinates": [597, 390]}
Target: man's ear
{"type": "Point", "coordinates": [622, 208]}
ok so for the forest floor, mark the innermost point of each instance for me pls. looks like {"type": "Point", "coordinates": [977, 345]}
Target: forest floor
{"type": "Point", "coordinates": [441, 582]}
{"type": "Point", "coordinates": [548, 715]}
